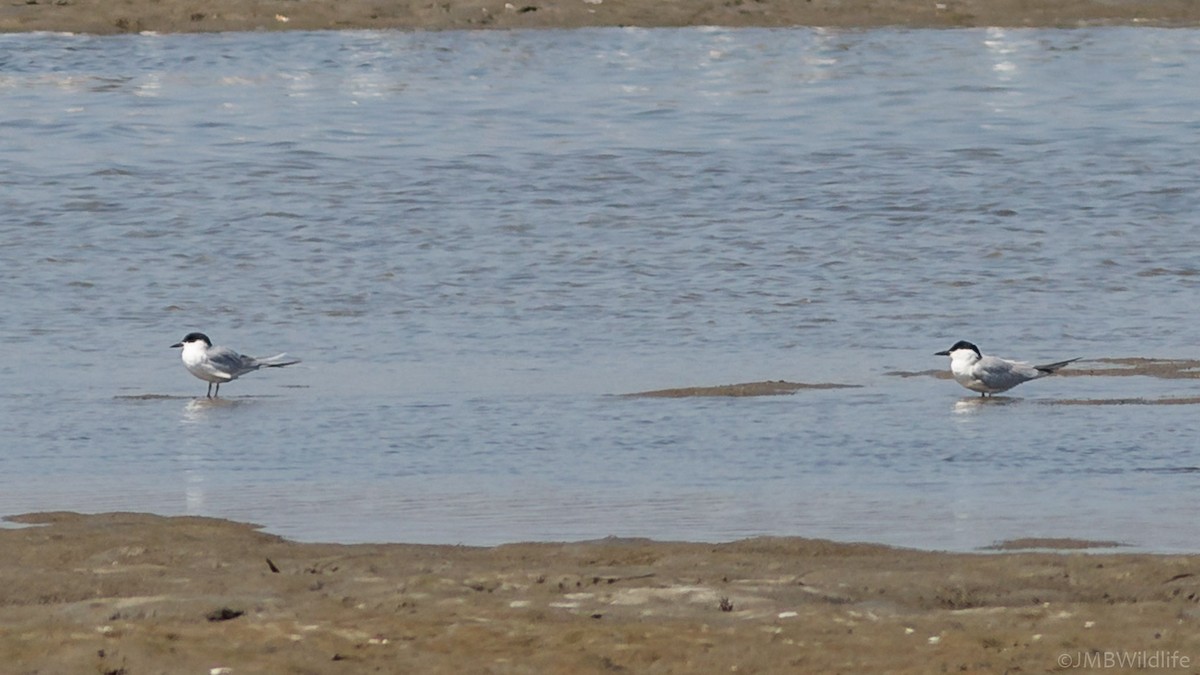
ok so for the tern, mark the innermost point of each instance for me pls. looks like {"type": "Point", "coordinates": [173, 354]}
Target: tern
{"type": "Point", "coordinates": [992, 374]}
{"type": "Point", "coordinates": [216, 365]}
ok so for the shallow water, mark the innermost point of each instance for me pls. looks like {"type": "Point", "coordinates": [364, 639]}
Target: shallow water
{"type": "Point", "coordinates": [474, 239]}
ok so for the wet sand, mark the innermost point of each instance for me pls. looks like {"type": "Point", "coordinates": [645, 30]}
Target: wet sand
{"type": "Point", "coordinates": [127, 594]}
{"type": "Point", "coordinates": [126, 16]}
{"type": "Point", "coordinates": [766, 388]}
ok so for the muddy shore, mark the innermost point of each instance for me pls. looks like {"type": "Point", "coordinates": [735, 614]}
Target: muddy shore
{"type": "Point", "coordinates": [174, 16]}
{"type": "Point", "coordinates": [128, 594]}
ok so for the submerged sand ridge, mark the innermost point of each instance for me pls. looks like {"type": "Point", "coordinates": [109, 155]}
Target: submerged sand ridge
{"type": "Point", "coordinates": [174, 16]}
{"type": "Point", "coordinates": [766, 388]}
{"type": "Point", "coordinates": [135, 593]}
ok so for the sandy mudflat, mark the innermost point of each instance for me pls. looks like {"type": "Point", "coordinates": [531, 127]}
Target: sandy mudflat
{"type": "Point", "coordinates": [766, 388]}
{"type": "Point", "coordinates": [130, 594]}
{"type": "Point", "coordinates": [124, 16]}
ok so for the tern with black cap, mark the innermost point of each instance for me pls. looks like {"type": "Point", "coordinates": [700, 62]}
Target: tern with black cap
{"type": "Point", "coordinates": [992, 374]}
{"type": "Point", "coordinates": [217, 365]}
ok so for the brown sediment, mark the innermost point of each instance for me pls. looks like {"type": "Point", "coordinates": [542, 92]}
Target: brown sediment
{"type": "Point", "coordinates": [136, 593]}
{"type": "Point", "coordinates": [174, 16]}
{"type": "Point", "coordinates": [939, 373]}
{"type": "Point", "coordinates": [1183, 400]}
{"type": "Point", "coordinates": [1050, 543]}
{"type": "Point", "coordinates": [767, 388]}
{"type": "Point", "coordinates": [1140, 365]}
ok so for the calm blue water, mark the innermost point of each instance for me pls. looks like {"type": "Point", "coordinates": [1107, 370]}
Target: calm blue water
{"type": "Point", "coordinates": [474, 239]}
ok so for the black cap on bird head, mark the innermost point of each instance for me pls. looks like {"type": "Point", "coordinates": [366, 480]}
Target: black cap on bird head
{"type": "Point", "coordinates": [961, 344]}
{"type": "Point", "coordinates": [193, 337]}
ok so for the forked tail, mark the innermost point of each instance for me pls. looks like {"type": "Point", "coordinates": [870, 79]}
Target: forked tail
{"type": "Point", "coordinates": [1050, 368]}
{"type": "Point", "coordinates": [277, 361]}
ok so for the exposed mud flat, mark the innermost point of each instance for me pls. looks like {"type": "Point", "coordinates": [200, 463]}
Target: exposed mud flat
{"type": "Point", "coordinates": [176, 16]}
{"type": "Point", "coordinates": [135, 593]}
{"type": "Point", "coordinates": [767, 388]}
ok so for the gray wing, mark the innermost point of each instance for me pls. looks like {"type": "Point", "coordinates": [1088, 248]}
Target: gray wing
{"type": "Point", "coordinates": [1002, 374]}
{"type": "Point", "coordinates": [230, 361]}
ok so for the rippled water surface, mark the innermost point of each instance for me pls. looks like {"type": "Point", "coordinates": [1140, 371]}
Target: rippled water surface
{"type": "Point", "coordinates": [474, 240]}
